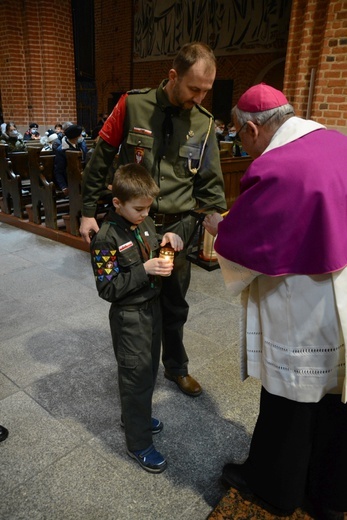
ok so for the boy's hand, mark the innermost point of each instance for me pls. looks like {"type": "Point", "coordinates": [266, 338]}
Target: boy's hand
{"type": "Point", "coordinates": [158, 266]}
{"type": "Point", "coordinates": [174, 240]}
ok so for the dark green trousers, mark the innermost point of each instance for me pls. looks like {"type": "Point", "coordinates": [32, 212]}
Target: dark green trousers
{"type": "Point", "coordinates": [136, 335]}
{"type": "Point", "coordinates": [173, 301]}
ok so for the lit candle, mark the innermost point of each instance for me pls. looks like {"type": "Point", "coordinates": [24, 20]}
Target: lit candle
{"type": "Point", "coordinates": [167, 253]}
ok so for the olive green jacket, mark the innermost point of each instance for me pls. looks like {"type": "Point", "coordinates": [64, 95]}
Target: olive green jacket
{"type": "Point", "coordinates": [187, 170]}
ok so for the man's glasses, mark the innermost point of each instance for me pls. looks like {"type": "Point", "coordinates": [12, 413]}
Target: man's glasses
{"type": "Point", "coordinates": [237, 139]}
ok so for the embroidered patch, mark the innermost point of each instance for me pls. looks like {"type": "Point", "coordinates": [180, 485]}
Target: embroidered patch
{"type": "Point", "coordinates": [106, 265]}
{"type": "Point", "coordinates": [125, 246]}
{"type": "Point", "coordinates": [142, 131]}
{"type": "Point", "coordinates": [139, 155]}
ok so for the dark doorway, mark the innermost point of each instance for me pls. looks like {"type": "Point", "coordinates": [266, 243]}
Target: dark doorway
{"type": "Point", "coordinates": [222, 99]}
{"type": "Point", "coordinates": [83, 31]}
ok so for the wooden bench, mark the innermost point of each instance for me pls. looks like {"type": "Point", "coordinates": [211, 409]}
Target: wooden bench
{"type": "Point", "coordinates": [15, 194]}
{"type": "Point", "coordinates": [46, 201]}
{"type": "Point", "coordinates": [74, 172]}
{"type": "Point", "coordinates": [233, 168]}
{"type": "Point", "coordinates": [74, 180]}
{"type": "Point", "coordinates": [90, 143]}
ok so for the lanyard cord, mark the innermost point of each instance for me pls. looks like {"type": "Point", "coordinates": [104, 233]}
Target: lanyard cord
{"type": "Point", "coordinates": [194, 171]}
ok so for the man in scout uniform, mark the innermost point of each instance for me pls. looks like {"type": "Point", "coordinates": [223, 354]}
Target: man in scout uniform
{"type": "Point", "coordinates": [168, 132]}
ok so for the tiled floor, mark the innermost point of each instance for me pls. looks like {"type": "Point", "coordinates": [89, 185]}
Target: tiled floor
{"type": "Point", "coordinates": [65, 456]}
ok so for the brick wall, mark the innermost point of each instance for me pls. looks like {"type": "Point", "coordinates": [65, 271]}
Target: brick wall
{"type": "Point", "coordinates": [317, 56]}
{"type": "Point", "coordinates": [113, 49]}
{"type": "Point", "coordinates": [37, 78]}
{"type": "Point", "coordinates": [116, 72]}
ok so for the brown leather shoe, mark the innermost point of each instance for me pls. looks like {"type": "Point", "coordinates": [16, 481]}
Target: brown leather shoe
{"type": "Point", "coordinates": [187, 384]}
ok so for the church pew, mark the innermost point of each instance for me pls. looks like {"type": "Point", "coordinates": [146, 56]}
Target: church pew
{"type": "Point", "coordinates": [74, 171]}
{"type": "Point", "coordinates": [74, 179]}
{"type": "Point", "coordinates": [15, 192]}
{"type": "Point", "coordinates": [46, 200]}
{"type": "Point", "coordinates": [233, 168]}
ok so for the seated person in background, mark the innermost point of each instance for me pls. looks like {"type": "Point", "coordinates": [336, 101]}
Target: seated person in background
{"type": "Point", "coordinates": [32, 133]}
{"type": "Point", "coordinates": [219, 127]}
{"type": "Point", "coordinates": [128, 275]}
{"type": "Point", "coordinates": [100, 124]}
{"type": "Point", "coordinates": [58, 129]}
{"type": "Point", "coordinates": [231, 132]}
{"type": "Point", "coordinates": [72, 140]}
{"type": "Point", "coordinates": [102, 118]}
{"type": "Point", "coordinates": [61, 133]}
{"type": "Point", "coordinates": [47, 140]}
{"type": "Point", "coordinates": [232, 137]}
{"type": "Point", "coordinates": [12, 138]}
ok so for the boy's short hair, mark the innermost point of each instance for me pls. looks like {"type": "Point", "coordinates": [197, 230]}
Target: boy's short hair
{"type": "Point", "coordinates": [131, 181]}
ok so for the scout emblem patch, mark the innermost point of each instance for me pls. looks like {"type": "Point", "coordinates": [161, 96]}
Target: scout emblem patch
{"type": "Point", "coordinates": [139, 155]}
{"type": "Point", "coordinates": [105, 262]}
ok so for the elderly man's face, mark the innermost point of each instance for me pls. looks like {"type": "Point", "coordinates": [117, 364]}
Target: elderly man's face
{"type": "Point", "coordinates": [253, 138]}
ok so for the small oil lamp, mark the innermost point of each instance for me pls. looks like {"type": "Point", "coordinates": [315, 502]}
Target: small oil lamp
{"type": "Point", "coordinates": [168, 254]}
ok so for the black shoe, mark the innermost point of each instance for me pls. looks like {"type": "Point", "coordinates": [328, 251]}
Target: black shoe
{"type": "Point", "coordinates": [3, 433]}
{"type": "Point", "coordinates": [232, 477]}
{"type": "Point", "coordinates": [320, 512]}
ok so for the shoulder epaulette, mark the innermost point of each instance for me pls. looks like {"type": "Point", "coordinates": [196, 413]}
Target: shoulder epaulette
{"type": "Point", "coordinates": [204, 111]}
{"type": "Point", "coordinates": [103, 230]}
{"type": "Point", "coordinates": [139, 90]}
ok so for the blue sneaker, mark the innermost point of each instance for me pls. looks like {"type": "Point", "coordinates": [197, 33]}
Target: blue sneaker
{"type": "Point", "coordinates": [157, 425]}
{"type": "Point", "coordinates": [149, 459]}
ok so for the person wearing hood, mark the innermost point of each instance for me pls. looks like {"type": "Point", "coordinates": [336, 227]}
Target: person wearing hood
{"type": "Point", "coordinates": [74, 141]}
{"type": "Point", "coordinates": [12, 138]}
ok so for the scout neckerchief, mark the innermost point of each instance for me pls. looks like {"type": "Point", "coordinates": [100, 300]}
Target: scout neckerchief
{"type": "Point", "coordinates": [146, 252]}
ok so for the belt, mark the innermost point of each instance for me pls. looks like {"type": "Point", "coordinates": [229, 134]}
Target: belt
{"type": "Point", "coordinates": [162, 219]}
{"type": "Point", "coordinates": [137, 306]}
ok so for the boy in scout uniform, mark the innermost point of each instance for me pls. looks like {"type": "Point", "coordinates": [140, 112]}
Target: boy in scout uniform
{"type": "Point", "coordinates": [128, 274]}
{"type": "Point", "coordinates": [168, 132]}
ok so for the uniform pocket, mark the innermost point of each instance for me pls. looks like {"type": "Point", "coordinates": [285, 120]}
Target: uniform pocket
{"type": "Point", "coordinates": [127, 361]}
{"type": "Point", "coordinates": [129, 257]}
{"type": "Point", "coordinates": [189, 157]}
{"type": "Point", "coordinates": [140, 149]}
{"type": "Point", "coordinates": [144, 141]}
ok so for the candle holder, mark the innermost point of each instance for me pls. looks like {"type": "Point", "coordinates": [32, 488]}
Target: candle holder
{"type": "Point", "coordinates": [167, 253]}
{"type": "Point", "coordinates": [200, 249]}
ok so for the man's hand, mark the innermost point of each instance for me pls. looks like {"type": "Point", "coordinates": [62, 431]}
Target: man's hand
{"type": "Point", "coordinates": [88, 224]}
{"type": "Point", "coordinates": [211, 222]}
{"type": "Point", "coordinates": [174, 240]}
